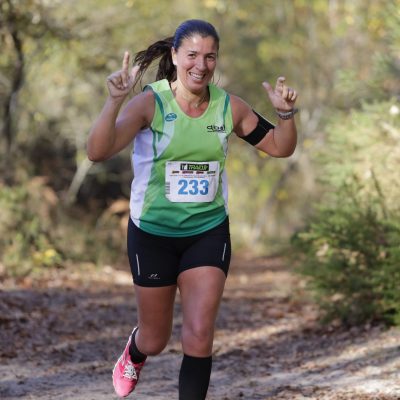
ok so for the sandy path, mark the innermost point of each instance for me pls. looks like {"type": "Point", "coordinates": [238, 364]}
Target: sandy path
{"type": "Point", "coordinates": [61, 341]}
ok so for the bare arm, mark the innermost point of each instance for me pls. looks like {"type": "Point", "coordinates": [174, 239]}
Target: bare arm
{"type": "Point", "coordinates": [112, 132]}
{"type": "Point", "coordinates": [280, 141]}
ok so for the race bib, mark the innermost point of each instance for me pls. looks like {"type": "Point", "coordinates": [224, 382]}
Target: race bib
{"type": "Point", "coordinates": [188, 182]}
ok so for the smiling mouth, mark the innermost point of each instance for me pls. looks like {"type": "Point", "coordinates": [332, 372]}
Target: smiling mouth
{"type": "Point", "coordinates": [197, 77]}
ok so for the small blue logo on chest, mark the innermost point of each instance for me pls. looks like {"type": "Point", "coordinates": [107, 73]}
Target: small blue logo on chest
{"type": "Point", "coordinates": [171, 117]}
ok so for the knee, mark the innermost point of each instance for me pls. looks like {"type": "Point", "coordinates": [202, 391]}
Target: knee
{"type": "Point", "coordinates": [197, 339]}
{"type": "Point", "coordinates": [151, 344]}
{"type": "Point", "coordinates": [152, 349]}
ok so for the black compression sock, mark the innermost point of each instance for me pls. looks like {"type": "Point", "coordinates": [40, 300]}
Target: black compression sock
{"type": "Point", "coordinates": [136, 356]}
{"type": "Point", "coordinates": [194, 377]}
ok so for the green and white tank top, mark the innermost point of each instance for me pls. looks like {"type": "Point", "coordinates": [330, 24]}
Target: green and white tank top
{"type": "Point", "coordinates": [180, 186]}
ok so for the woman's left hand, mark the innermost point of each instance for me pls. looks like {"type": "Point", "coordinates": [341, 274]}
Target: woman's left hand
{"type": "Point", "coordinates": [282, 97]}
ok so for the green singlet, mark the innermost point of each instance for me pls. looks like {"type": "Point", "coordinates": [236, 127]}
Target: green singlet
{"type": "Point", "coordinates": [180, 186]}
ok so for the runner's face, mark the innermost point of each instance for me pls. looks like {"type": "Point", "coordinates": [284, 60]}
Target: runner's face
{"type": "Point", "coordinates": [195, 62]}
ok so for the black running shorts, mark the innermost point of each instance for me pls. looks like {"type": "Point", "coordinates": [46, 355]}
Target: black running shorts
{"type": "Point", "coordinates": [158, 260]}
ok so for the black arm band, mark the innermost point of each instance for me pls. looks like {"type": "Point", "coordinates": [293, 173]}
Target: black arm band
{"type": "Point", "coordinates": [259, 132]}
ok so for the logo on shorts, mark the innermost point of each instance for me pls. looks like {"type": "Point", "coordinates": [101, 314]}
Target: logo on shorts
{"type": "Point", "coordinates": [153, 276]}
{"type": "Point", "coordinates": [171, 117]}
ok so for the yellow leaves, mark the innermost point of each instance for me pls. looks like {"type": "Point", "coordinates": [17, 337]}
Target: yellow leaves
{"type": "Point", "coordinates": [308, 143]}
{"type": "Point", "coordinates": [242, 14]}
{"type": "Point", "coordinates": [262, 154]}
{"type": "Point", "coordinates": [349, 19]}
{"type": "Point", "coordinates": [377, 26]}
{"type": "Point", "coordinates": [39, 117]}
{"type": "Point", "coordinates": [48, 257]}
{"type": "Point", "coordinates": [236, 164]}
{"type": "Point", "coordinates": [210, 3]}
{"type": "Point", "coordinates": [282, 195]}
{"type": "Point", "coordinates": [130, 3]}
{"type": "Point", "coordinates": [300, 3]}
{"type": "Point", "coordinates": [252, 170]}
{"type": "Point", "coordinates": [219, 5]}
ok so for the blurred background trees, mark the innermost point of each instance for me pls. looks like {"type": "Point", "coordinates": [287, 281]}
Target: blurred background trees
{"type": "Point", "coordinates": [342, 56]}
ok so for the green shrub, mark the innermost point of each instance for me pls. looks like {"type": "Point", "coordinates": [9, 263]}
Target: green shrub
{"type": "Point", "coordinates": [351, 256]}
{"type": "Point", "coordinates": [38, 233]}
{"type": "Point", "coordinates": [26, 241]}
{"type": "Point", "coordinates": [350, 250]}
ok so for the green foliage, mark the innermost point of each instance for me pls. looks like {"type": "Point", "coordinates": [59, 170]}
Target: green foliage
{"type": "Point", "coordinates": [53, 64]}
{"type": "Point", "coordinates": [352, 258]}
{"type": "Point", "coordinates": [36, 232]}
{"type": "Point", "coordinates": [26, 241]}
{"type": "Point", "coordinates": [350, 250]}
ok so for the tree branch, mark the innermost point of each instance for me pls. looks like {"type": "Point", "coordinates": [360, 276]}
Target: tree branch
{"type": "Point", "coordinates": [16, 82]}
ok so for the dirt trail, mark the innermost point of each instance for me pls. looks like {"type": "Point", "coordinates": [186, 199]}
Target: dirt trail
{"type": "Point", "coordinates": [60, 341]}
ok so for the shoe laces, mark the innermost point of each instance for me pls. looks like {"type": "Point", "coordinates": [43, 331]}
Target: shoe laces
{"type": "Point", "coordinates": [130, 371]}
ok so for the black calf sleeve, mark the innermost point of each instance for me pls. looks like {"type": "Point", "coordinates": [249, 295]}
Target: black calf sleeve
{"type": "Point", "coordinates": [194, 377]}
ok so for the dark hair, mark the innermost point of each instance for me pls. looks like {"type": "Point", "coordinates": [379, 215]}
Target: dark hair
{"type": "Point", "coordinates": [162, 48]}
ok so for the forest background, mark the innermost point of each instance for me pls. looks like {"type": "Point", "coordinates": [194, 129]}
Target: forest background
{"type": "Point", "coordinates": [334, 203]}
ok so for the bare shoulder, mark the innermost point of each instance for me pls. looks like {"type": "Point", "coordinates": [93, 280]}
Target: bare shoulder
{"type": "Point", "coordinates": [239, 106]}
{"type": "Point", "coordinates": [140, 107]}
{"type": "Point", "coordinates": [242, 115]}
{"type": "Point", "coordinates": [147, 97]}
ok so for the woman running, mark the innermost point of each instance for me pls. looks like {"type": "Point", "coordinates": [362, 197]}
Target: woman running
{"type": "Point", "coordinates": [178, 232]}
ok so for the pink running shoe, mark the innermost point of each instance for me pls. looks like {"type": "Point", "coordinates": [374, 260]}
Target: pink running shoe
{"type": "Point", "coordinates": [126, 373]}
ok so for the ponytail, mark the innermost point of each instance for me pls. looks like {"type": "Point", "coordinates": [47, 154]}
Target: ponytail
{"type": "Point", "coordinates": [166, 68]}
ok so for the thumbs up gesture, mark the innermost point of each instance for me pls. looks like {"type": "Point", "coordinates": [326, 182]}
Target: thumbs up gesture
{"type": "Point", "coordinates": [120, 83]}
{"type": "Point", "coordinates": [282, 97]}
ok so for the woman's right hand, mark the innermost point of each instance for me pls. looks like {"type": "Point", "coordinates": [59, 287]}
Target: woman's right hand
{"type": "Point", "coordinates": [120, 83]}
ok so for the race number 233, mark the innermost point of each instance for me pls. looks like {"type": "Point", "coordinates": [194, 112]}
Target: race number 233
{"type": "Point", "coordinates": [187, 181]}
{"type": "Point", "coordinates": [193, 187]}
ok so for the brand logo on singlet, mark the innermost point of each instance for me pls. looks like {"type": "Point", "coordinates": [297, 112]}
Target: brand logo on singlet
{"type": "Point", "coordinates": [215, 128]}
{"type": "Point", "coordinates": [171, 117]}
